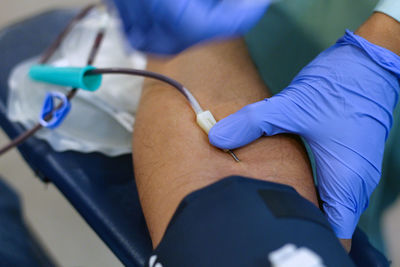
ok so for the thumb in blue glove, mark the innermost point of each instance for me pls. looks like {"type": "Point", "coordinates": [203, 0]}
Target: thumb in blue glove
{"type": "Point", "coordinates": [170, 26]}
{"type": "Point", "coordinates": [342, 105]}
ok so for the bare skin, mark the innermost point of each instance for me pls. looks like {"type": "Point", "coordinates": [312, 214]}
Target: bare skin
{"type": "Point", "coordinates": [382, 30]}
{"type": "Point", "coordinates": [172, 155]}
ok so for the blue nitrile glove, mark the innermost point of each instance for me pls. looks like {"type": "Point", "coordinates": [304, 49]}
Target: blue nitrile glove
{"type": "Point", "coordinates": [342, 104]}
{"type": "Point", "coordinates": [170, 26]}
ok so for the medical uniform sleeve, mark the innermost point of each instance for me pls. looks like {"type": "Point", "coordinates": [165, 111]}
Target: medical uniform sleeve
{"type": "Point", "coordinates": [390, 8]}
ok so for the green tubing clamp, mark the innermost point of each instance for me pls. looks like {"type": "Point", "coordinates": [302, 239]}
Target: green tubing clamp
{"type": "Point", "coordinates": [75, 77]}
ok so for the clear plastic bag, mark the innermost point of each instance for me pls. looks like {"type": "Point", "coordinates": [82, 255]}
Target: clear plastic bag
{"type": "Point", "coordinates": [100, 121]}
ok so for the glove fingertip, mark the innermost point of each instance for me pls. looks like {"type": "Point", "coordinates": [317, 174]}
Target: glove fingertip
{"type": "Point", "coordinates": [219, 140]}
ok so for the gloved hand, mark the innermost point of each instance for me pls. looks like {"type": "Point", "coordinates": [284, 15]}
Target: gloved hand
{"type": "Point", "coordinates": [170, 26]}
{"type": "Point", "coordinates": [342, 104]}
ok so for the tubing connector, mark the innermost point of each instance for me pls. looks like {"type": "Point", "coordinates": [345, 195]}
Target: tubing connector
{"type": "Point", "coordinates": [206, 121]}
{"type": "Point", "coordinates": [69, 76]}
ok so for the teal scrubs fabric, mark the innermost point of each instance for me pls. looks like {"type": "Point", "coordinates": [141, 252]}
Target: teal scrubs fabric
{"type": "Point", "coordinates": [290, 35]}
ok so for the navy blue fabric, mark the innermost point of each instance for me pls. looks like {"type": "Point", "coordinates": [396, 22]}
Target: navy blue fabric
{"type": "Point", "coordinates": [102, 189]}
{"type": "Point", "coordinates": [289, 206]}
{"type": "Point", "coordinates": [18, 247]}
{"type": "Point", "coordinates": [364, 254]}
{"type": "Point", "coordinates": [230, 223]}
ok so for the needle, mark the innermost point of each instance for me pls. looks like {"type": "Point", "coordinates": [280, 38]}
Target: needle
{"type": "Point", "coordinates": [233, 155]}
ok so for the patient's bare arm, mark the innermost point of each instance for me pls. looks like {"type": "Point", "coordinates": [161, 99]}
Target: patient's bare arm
{"type": "Point", "coordinates": [172, 155]}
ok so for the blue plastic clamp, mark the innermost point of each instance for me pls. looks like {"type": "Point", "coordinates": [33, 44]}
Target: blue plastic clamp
{"type": "Point", "coordinates": [58, 115]}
